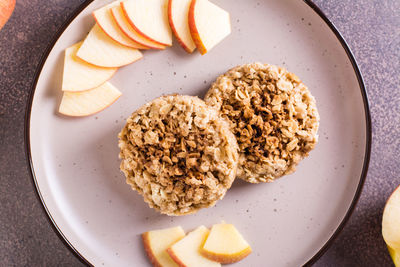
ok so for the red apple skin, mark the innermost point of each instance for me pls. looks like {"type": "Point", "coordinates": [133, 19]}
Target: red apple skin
{"type": "Point", "coordinates": [138, 46]}
{"type": "Point", "coordinates": [6, 9]}
{"type": "Point", "coordinates": [149, 251]}
{"type": "Point", "coordinates": [193, 29]}
{"type": "Point", "coordinates": [136, 29]}
{"type": "Point", "coordinates": [171, 24]}
{"type": "Point", "coordinates": [223, 259]}
{"type": "Point", "coordinates": [171, 253]}
{"type": "Point", "coordinates": [144, 45]}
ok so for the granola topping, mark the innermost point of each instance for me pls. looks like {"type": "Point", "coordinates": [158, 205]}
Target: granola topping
{"type": "Point", "coordinates": [179, 154]}
{"type": "Point", "coordinates": [273, 116]}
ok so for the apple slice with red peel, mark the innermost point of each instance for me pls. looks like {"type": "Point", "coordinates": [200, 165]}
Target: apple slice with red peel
{"type": "Point", "coordinates": [79, 75]}
{"type": "Point", "coordinates": [186, 252]}
{"type": "Point", "coordinates": [225, 244]}
{"type": "Point", "coordinates": [100, 50]}
{"type": "Point", "coordinates": [150, 19]}
{"type": "Point", "coordinates": [126, 27]}
{"type": "Point", "coordinates": [178, 16]}
{"type": "Point", "coordinates": [6, 10]}
{"type": "Point", "coordinates": [208, 23]}
{"type": "Point", "coordinates": [78, 104]}
{"type": "Point", "coordinates": [107, 23]}
{"type": "Point", "coordinates": [391, 226]}
{"type": "Point", "coordinates": [156, 242]}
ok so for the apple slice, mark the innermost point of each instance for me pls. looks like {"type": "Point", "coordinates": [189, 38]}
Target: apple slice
{"type": "Point", "coordinates": [391, 226]}
{"type": "Point", "coordinates": [79, 75]}
{"type": "Point", "coordinates": [156, 242]}
{"type": "Point", "coordinates": [6, 9]}
{"type": "Point", "coordinates": [225, 244]}
{"type": "Point", "coordinates": [186, 252]}
{"type": "Point", "coordinates": [107, 23]}
{"type": "Point", "coordinates": [100, 50]}
{"type": "Point", "coordinates": [126, 27]}
{"type": "Point", "coordinates": [86, 103]}
{"type": "Point", "coordinates": [150, 19]}
{"type": "Point", "coordinates": [178, 16]}
{"type": "Point", "coordinates": [208, 23]}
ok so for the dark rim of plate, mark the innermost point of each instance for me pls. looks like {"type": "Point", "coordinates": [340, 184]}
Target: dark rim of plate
{"type": "Point", "coordinates": [350, 55]}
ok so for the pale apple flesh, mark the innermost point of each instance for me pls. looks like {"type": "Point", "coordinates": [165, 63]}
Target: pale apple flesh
{"type": "Point", "coordinates": [178, 16]}
{"type": "Point", "coordinates": [6, 9]}
{"type": "Point", "coordinates": [100, 50]}
{"type": "Point", "coordinates": [391, 225]}
{"type": "Point", "coordinates": [107, 23]}
{"type": "Point", "coordinates": [156, 242]}
{"type": "Point", "coordinates": [155, 27]}
{"type": "Point", "coordinates": [78, 104]}
{"type": "Point", "coordinates": [208, 23]}
{"type": "Point", "coordinates": [126, 27]}
{"type": "Point", "coordinates": [225, 244]}
{"type": "Point", "coordinates": [79, 75]}
{"type": "Point", "coordinates": [186, 252]}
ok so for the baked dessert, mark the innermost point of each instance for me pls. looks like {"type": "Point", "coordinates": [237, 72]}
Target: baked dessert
{"type": "Point", "coordinates": [273, 116]}
{"type": "Point", "coordinates": [178, 154]}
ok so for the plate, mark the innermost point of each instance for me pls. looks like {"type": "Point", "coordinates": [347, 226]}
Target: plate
{"type": "Point", "coordinates": [290, 222]}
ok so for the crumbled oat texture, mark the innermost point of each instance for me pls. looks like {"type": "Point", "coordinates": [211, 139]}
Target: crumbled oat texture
{"type": "Point", "coordinates": [179, 154]}
{"type": "Point", "coordinates": [273, 116]}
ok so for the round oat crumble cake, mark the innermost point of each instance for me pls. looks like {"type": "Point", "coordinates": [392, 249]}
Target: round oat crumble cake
{"type": "Point", "coordinates": [273, 116]}
{"type": "Point", "coordinates": [178, 154]}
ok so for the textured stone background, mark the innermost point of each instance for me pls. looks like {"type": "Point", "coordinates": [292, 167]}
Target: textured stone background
{"type": "Point", "coordinates": [371, 28]}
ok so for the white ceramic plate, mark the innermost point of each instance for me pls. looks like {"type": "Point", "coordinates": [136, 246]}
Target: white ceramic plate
{"type": "Point", "coordinates": [290, 222]}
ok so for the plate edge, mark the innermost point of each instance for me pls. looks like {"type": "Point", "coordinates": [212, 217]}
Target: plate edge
{"type": "Point", "coordinates": [28, 110]}
{"type": "Point", "coordinates": [364, 95]}
{"type": "Point", "coordinates": [368, 132]}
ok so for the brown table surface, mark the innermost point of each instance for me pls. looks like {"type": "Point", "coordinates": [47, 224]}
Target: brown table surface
{"type": "Point", "coordinates": [372, 30]}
